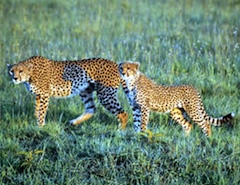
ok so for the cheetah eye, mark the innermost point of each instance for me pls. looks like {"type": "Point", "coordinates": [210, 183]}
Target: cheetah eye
{"type": "Point", "coordinates": [20, 71]}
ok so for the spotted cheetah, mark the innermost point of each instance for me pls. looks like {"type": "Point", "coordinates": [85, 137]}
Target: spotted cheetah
{"type": "Point", "coordinates": [145, 96]}
{"type": "Point", "coordinates": [48, 78]}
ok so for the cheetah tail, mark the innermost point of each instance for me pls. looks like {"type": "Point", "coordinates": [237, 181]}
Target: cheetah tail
{"type": "Point", "coordinates": [124, 86]}
{"type": "Point", "coordinates": [219, 121]}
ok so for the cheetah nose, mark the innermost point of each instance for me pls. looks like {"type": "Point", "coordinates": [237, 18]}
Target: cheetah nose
{"type": "Point", "coordinates": [15, 78]}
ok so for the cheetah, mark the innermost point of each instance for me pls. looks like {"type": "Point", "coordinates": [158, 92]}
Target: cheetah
{"type": "Point", "coordinates": [47, 78]}
{"type": "Point", "coordinates": [145, 96]}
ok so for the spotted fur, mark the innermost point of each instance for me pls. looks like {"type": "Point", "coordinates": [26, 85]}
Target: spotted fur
{"type": "Point", "coordinates": [145, 96]}
{"type": "Point", "coordinates": [47, 78]}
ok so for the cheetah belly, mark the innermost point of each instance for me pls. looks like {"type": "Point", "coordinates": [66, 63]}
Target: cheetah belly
{"type": "Point", "coordinates": [68, 89]}
{"type": "Point", "coordinates": [78, 78]}
{"type": "Point", "coordinates": [163, 105]}
{"type": "Point", "coordinates": [61, 90]}
{"type": "Point", "coordinates": [77, 88]}
{"type": "Point", "coordinates": [161, 108]}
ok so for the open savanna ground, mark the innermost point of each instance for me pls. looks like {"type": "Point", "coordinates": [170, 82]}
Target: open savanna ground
{"type": "Point", "coordinates": [176, 42]}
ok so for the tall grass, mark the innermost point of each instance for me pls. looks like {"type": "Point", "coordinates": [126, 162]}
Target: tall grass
{"type": "Point", "coordinates": [176, 42]}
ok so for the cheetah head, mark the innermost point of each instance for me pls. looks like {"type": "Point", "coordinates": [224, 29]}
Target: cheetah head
{"type": "Point", "coordinates": [129, 70]}
{"type": "Point", "coordinates": [19, 72]}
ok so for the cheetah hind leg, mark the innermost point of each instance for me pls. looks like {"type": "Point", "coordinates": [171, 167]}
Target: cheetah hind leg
{"type": "Point", "coordinates": [177, 115]}
{"type": "Point", "coordinates": [108, 98]}
{"type": "Point", "coordinates": [85, 116]}
{"type": "Point", "coordinates": [123, 118]}
{"type": "Point", "coordinates": [87, 99]}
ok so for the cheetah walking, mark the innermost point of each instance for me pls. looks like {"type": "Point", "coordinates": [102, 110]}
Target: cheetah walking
{"type": "Point", "coordinates": [47, 78]}
{"type": "Point", "coordinates": [145, 96]}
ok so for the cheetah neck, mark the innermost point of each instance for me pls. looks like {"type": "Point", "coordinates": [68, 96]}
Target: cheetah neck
{"type": "Point", "coordinates": [131, 81]}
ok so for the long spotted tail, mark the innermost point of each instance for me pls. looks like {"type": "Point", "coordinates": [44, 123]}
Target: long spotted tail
{"type": "Point", "coordinates": [219, 121]}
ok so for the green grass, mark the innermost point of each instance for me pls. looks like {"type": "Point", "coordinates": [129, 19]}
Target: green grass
{"type": "Point", "coordinates": [176, 42]}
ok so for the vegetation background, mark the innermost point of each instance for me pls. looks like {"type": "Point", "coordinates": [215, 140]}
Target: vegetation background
{"type": "Point", "coordinates": [176, 42]}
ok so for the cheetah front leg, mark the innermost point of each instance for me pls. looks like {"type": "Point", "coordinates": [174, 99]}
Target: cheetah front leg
{"type": "Point", "coordinates": [41, 108]}
{"type": "Point", "coordinates": [37, 105]}
{"type": "Point", "coordinates": [177, 115]}
{"type": "Point", "coordinates": [140, 117]}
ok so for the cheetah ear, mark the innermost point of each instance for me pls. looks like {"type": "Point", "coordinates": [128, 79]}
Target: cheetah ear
{"type": "Point", "coordinates": [29, 65]}
{"type": "Point", "coordinates": [9, 66]}
{"type": "Point", "coordinates": [137, 64]}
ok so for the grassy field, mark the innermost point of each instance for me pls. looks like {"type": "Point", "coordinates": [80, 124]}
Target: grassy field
{"type": "Point", "coordinates": [176, 42]}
